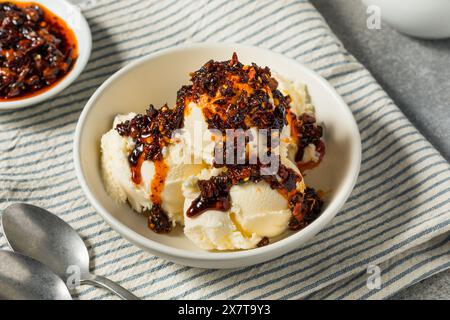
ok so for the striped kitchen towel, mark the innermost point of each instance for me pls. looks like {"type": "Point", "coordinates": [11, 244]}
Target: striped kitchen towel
{"type": "Point", "coordinates": [395, 224]}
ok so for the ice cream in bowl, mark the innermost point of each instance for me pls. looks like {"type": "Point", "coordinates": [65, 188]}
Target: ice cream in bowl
{"type": "Point", "coordinates": [217, 155]}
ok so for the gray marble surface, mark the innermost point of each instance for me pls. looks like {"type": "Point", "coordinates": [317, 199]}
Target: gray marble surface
{"type": "Point", "coordinates": [416, 75]}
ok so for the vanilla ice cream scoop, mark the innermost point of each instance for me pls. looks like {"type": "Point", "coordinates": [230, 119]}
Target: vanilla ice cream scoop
{"type": "Point", "coordinates": [117, 174]}
{"type": "Point", "coordinates": [201, 141]}
{"type": "Point", "coordinates": [257, 211]}
{"type": "Point", "coordinates": [214, 229]}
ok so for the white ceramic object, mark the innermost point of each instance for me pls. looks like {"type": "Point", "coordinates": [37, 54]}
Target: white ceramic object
{"type": "Point", "coordinates": [155, 79]}
{"type": "Point", "coordinates": [72, 15]}
{"type": "Point", "coordinates": [428, 19]}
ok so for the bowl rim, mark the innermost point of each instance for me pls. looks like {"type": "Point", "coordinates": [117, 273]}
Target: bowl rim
{"type": "Point", "coordinates": [284, 245]}
{"type": "Point", "coordinates": [77, 69]}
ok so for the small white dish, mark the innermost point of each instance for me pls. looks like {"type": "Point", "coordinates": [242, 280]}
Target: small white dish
{"type": "Point", "coordinates": [72, 15]}
{"type": "Point", "coordinates": [418, 18]}
{"type": "Point", "coordinates": [155, 79]}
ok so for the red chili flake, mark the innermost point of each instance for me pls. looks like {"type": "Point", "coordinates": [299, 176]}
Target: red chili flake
{"type": "Point", "coordinates": [309, 132]}
{"type": "Point", "coordinates": [214, 195]}
{"type": "Point", "coordinates": [151, 131]}
{"type": "Point", "coordinates": [264, 242]}
{"type": "Point", "coordinates": [234, 107]}
{"type": "Point", "coordinates": [305, 209]}
{"type": "Point", "coordinates": [158, 221]}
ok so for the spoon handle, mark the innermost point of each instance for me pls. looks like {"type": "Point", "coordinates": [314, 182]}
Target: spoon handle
{"type": "Point", "coordinates": [112, 286]}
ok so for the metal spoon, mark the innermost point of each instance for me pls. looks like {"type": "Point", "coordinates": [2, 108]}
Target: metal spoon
{"type": "Point", "coordinates": [23, 278]}
{"type": "Point", "coordinates": [39, 234]}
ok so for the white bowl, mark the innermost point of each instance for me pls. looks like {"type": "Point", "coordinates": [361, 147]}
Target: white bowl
{"type": "Point", "coordinates": [155, 79]}
{"type": "Point", "coordinates": [418, 18]}
{"type": "Point", "coordinates": [72, 15]}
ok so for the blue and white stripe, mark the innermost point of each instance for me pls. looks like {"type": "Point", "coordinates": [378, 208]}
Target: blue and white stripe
{"type": "Point", "coordinates": [410, 266]}
{"type": "Point", "coordinates": [400, 204]}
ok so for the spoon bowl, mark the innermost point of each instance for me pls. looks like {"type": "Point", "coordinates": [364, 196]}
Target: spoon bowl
{"type": "Point", "coordinates": [23, 278]}
{"type": "Point", "coordinates": [45, 237]}
{"type": "Point", "coordinates": [41, 235]}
